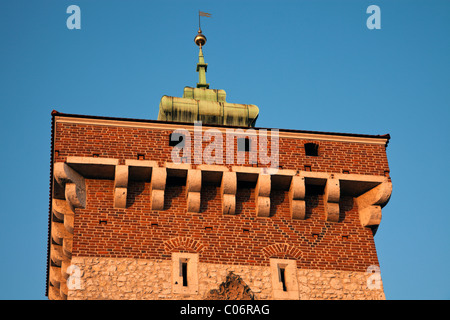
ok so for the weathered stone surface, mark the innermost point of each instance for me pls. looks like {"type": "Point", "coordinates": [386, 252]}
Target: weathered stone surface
{"type": "Point", "coordinates": [233, 288]}
{"type": "Point", "coordinates": [122, 279]}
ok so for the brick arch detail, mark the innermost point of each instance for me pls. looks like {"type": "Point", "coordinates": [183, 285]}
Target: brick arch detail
{"type": "Point", "coordinates": [183, 244]}
{"type": "Point", "coordinates": [281, 250]}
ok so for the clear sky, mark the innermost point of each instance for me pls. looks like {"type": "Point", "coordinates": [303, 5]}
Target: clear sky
{"type": "Point", "coordinates": [308, 65]}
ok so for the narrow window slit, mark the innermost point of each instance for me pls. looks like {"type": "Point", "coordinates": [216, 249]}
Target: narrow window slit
{"type": "Point", "coordinates": [283, 277]}
{"type": "Point", "coordinates": [184, 273]}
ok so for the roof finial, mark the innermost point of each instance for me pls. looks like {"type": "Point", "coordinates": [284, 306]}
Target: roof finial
{"type": "Point", "coordinates": [200, 40]}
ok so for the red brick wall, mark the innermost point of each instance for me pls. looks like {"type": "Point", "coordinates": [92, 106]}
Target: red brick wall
{"type": "Point", "coordinates": [127, 143]}
{"type": "Point", "coordinates": [139, 232]}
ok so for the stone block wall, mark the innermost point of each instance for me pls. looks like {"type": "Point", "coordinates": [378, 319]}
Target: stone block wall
{"type": "Point", "coordinates": [140, 279]}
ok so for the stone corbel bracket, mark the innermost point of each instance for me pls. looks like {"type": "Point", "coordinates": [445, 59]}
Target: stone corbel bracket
{"type": "Point", "coordinates": [73, 182]}
{"type": "Point", "coordinates": [332, 195]}
{"type": "Point", "coordinates": [370, 203]}
{"type": "Point", "coordinates": [193, 190]}
{"type": "Point", "coordinates": [228, 188]}
{"type": "Point", "coordinates": [62, 227]}
{"type": "Point", "coordinates": [262, 195]}
{"type": "Point", "coordinates": [61, 247]}
{"type": "Point", "coordinates": [120, 186]}
{"type": "Point", "coordinates": [297, 197]}
{"type": "Point", "coordinates": [63, 211]}
{"type": "Point", "coordinates": [157, 187]}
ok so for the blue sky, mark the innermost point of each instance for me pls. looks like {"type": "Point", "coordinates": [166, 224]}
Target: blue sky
{"type": "Point", "coordinates": [308, 65]}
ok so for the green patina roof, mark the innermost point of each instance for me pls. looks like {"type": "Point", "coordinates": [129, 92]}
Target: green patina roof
{"type": "Point", "coordinates": [206, 105]}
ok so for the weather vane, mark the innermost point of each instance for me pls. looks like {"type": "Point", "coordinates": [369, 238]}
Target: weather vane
{"type": "Point", "coordinates": [200, 39]}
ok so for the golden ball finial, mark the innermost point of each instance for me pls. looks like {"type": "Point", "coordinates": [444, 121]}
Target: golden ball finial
{"type": "Point", "coordinates": [200, 39]}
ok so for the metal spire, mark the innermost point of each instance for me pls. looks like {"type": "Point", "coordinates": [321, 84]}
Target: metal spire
{"type": "Point", "coordinates": [200, 40]}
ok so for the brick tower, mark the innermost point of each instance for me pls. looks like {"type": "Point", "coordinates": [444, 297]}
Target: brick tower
{"type": "Point", "coordinates": [202, 204]}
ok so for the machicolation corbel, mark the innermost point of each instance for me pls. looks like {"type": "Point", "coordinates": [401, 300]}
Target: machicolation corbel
{"type": "Point", "coordinates": [371, 202]}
